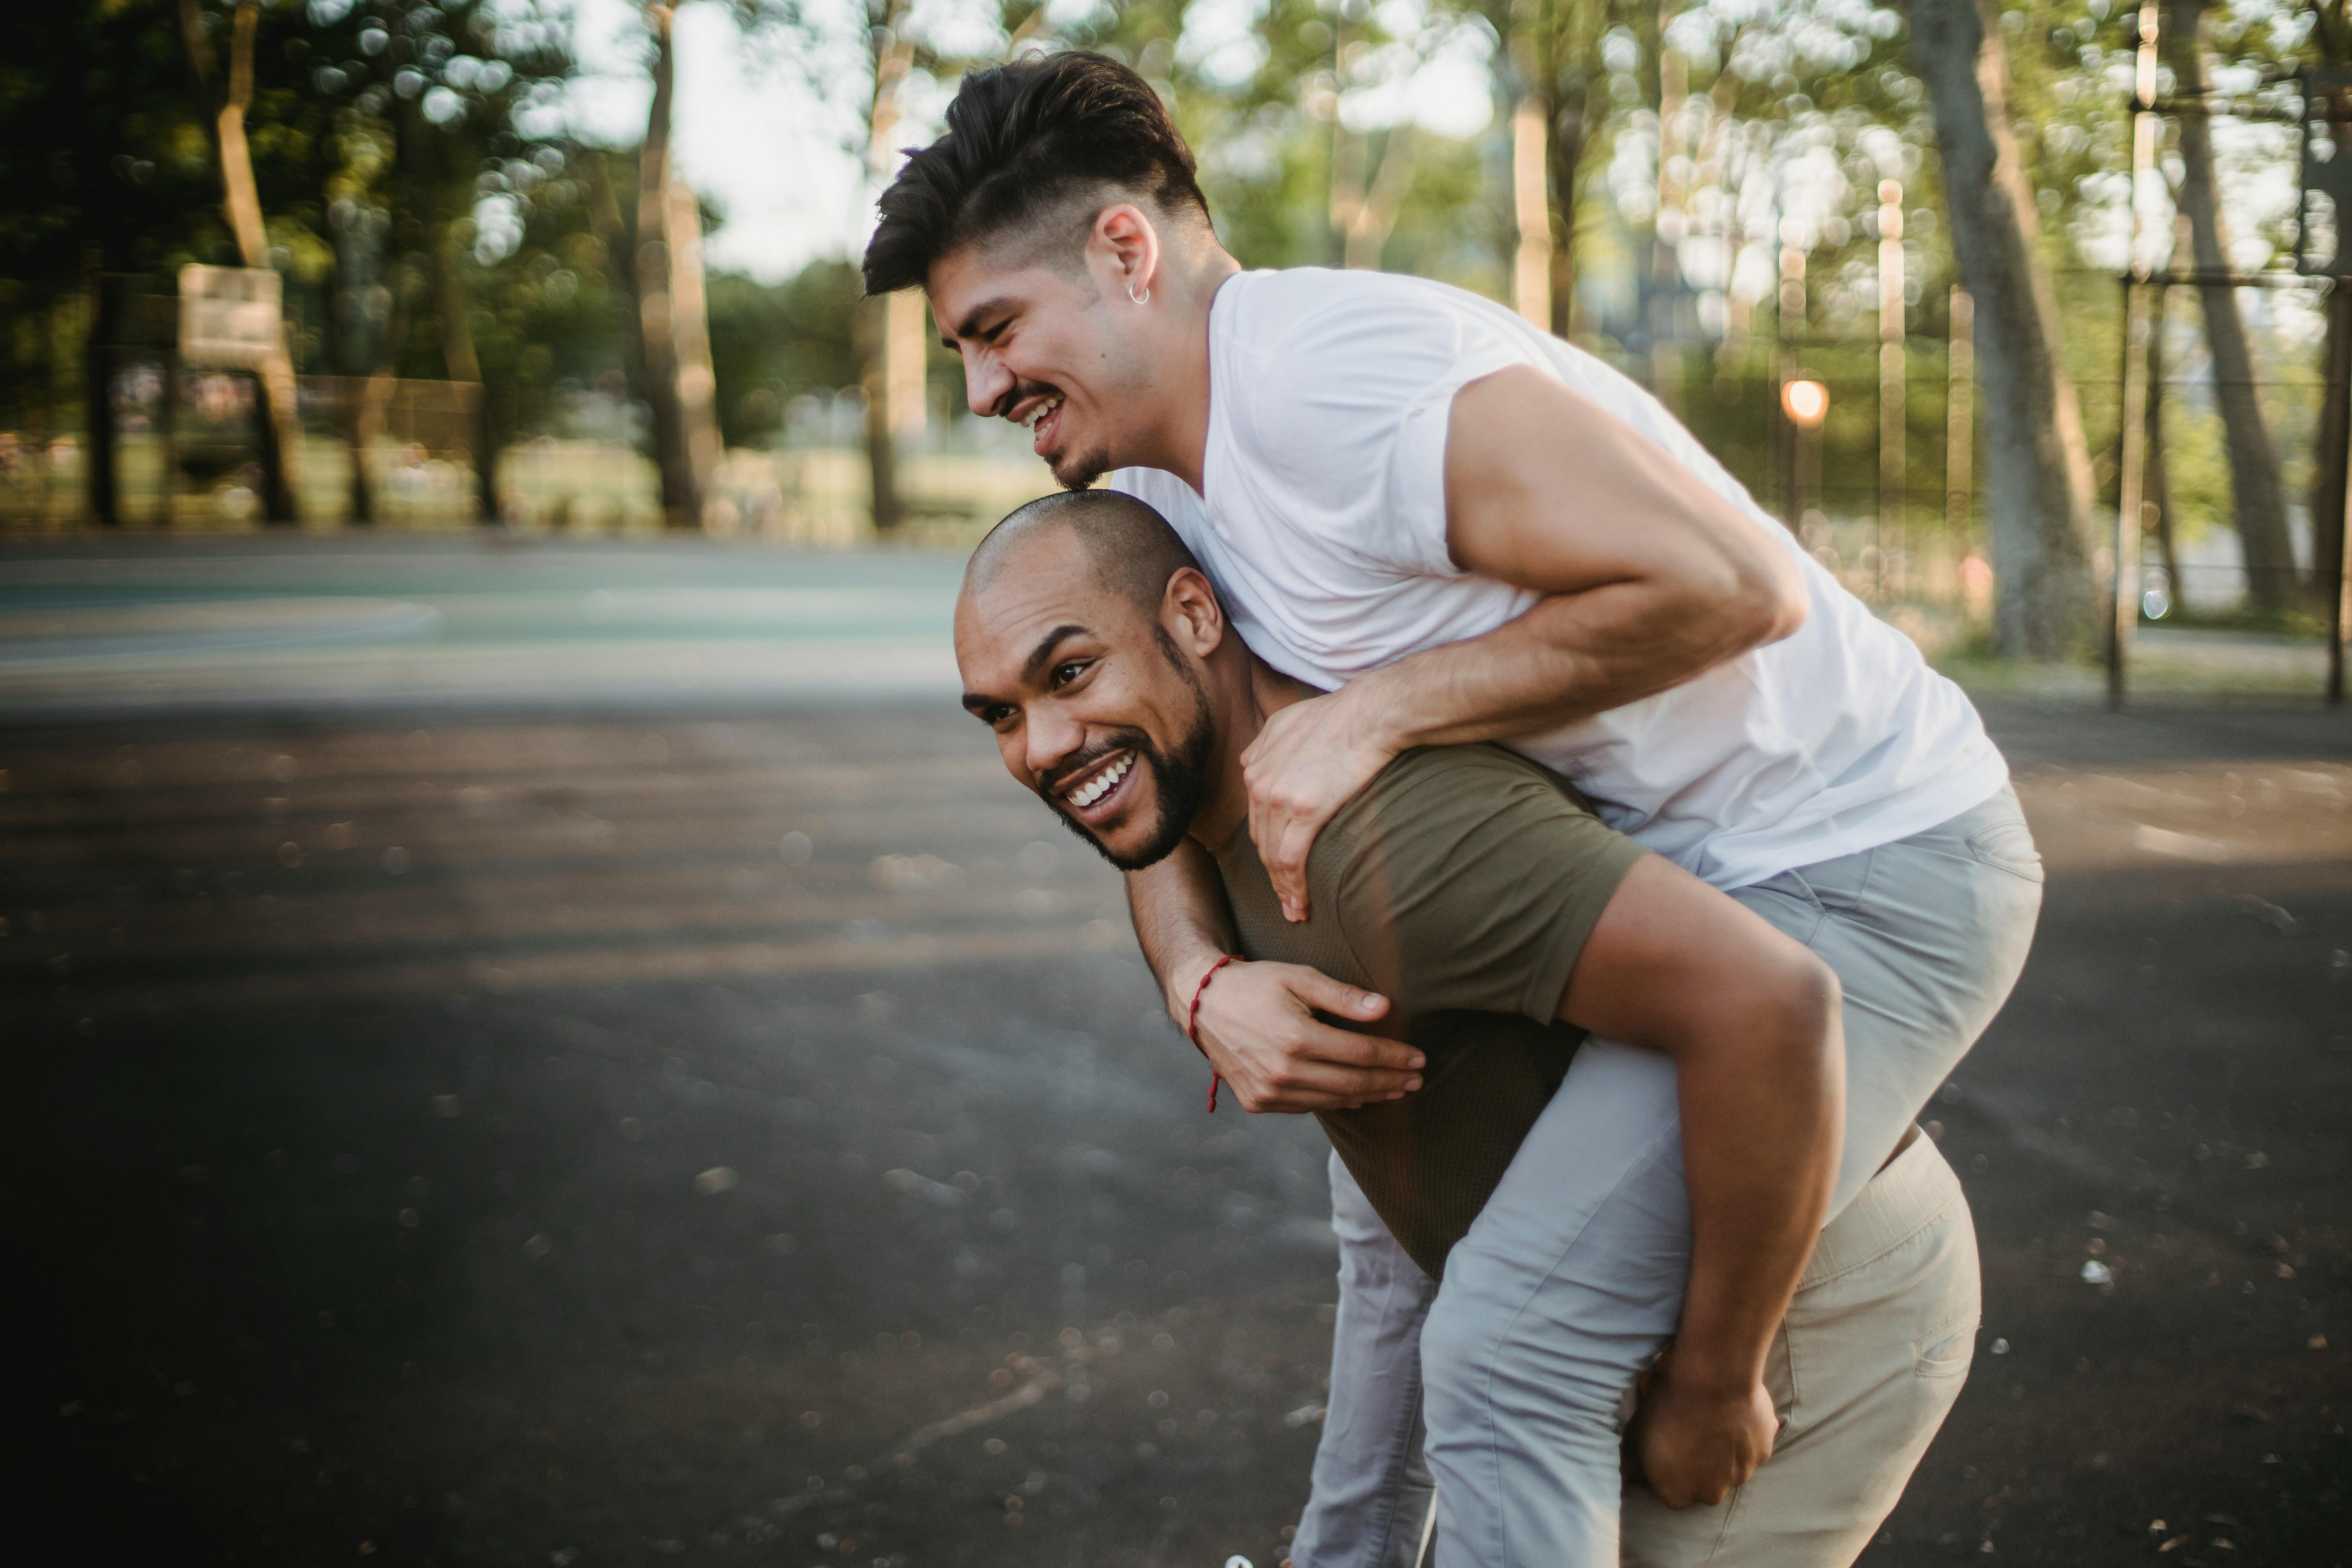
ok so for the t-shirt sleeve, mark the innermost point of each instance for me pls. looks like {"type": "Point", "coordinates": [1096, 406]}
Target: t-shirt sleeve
{"type": "Point", "coordinates": [1344, 420]}
{"type": "Point", "coordinates": [1467, 879]}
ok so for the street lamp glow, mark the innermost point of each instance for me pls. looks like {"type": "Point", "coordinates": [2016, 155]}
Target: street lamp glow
{"type": "Point", "coordinates": [1805, 402]}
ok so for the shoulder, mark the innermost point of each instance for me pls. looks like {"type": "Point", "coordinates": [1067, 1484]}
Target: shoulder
{"type": "Point", "coordinates": [1484, 768]}
{"type": "Point", "coordinates": [1469, 877]}
{"type": "Point", "coordinates": [1382, 328]}
{"type": "Point", "coordinates": [1331, 371]}
{"type": "Point", "coordinates": [1430, 801]}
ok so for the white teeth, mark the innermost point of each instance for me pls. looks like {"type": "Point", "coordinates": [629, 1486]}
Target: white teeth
{"type": "Point", "coordinates": [1037, 414]}
{"type": "Point", "coordinates": [1101, 784]}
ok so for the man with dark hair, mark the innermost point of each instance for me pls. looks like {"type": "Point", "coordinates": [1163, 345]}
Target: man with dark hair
{"type": "Point", "coordinates": [1480, 893]}
{"type": "Point", "coordinates": [1026, 148]}
{"type": "Point", "coordinates": [1461, 529]}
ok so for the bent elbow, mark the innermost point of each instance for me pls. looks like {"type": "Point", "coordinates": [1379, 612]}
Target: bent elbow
{"type": "Point", "coordinates": [1786, 611]}
{"type": "Point", "coordinates": [1749, 603]}
{"type": "Point", "coordinates": [1773, 591]}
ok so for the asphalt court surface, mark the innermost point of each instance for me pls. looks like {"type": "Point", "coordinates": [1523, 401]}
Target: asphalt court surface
{"type": "Point", "coordinates": [652, 1119]}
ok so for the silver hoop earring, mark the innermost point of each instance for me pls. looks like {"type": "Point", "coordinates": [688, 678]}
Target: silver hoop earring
{"type": "Point", "coordinates": [1142, 299]}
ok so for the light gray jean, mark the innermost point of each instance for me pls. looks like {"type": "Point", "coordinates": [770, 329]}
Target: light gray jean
{"type": "Point", "coordinates": [1506, 1389]}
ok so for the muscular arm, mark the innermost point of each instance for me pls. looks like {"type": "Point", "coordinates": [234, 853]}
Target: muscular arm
{"type": "Point", "coordinates": [1257, 1022]}
{"type": "Point", "coordinates": [1651, 578]}
{"type": "Point", "coordinates": [1751, 1021]}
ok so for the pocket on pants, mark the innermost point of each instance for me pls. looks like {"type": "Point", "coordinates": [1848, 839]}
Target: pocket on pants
{"type": "Point", "coordinates": [1951, 1355]}
{"type": "Point", "coordinates": [2008, 846]}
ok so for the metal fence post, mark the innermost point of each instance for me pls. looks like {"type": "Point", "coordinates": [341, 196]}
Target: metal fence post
{"type": "Point", "coordinates": [2124, 606]}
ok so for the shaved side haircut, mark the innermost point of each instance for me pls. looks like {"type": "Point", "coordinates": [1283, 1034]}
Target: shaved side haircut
{"type": "Point", "coordinates": [1033, 150]}
{"type": "Point", "coordinates": [1132, 548]}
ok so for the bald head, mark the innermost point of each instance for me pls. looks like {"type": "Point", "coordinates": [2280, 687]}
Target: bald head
{"type": "Point", "coordinates": [1095, 650]}
{"type": "Point", "coordinates": [1130, 547]}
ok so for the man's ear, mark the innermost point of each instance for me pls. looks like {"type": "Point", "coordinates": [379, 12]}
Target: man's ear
{"type": "Point", "coordinates": [1125, 242]}
{"type": "Point", "coordinates": [1190, 612]}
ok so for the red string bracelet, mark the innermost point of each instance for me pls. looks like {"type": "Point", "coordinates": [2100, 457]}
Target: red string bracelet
{"type": "Point", "coordinates": [1192, 1025]}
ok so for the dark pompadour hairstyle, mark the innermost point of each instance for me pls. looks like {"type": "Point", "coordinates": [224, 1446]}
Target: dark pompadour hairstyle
{"type": "Point", "coordinates": [1023, 140]}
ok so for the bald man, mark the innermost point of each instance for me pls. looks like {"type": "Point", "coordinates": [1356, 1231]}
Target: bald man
{"type": "Point", "coordinates": [1479, 892]}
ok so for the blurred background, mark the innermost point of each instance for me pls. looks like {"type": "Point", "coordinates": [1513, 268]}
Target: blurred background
{"type": "Point", "coordinates": [541, 1033]}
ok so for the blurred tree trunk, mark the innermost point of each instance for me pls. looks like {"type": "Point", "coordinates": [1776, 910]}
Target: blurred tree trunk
{"type": "Point", "coordinates": [1364, 207]}
{"type": "Point", "coordinates": [889, 353]}
{"type": "Point", "coordinates": [443, 259]}
{"type": "Point", "coordinates": [1554, 55]}
{"type": "Point", "coordinates": [375, 397]}
{"type": "Point", "coordinates": [281, 429]}
{"type": "Point", "coordinates": [2257, 492]}
{"type": "Point", "coordinates": [869, 335]}
{"type": "Point", "coordinates": [612, 231]}
{"type": "Point", "coordinates": [1532, 214]}
{"type": "Point", "coordinates": [673, 319]}
{"type": "Point", "coordinates": [103, 326]}
{"type": "Point", "coordinates": [1575, 115]}
{"type": "Point", "coordinates": [346, 356]}
{"type": "Point", "coordinates": [2155, 486]}
{"type": "Point", "coordinates": [1666, 228]}
{"type": "Point", "coordinates": [689, 311]}
{"type": "Point", "coordinates": [2037, 467]}
{"type": "Point", "coordinates": [466, 366]}
{"type": "Point", "coordinates": [1365, 195]}
{"type": "Point", "coordinates": [2331, 39]}
{"type": "Point", "coordinates": [2327, 486]}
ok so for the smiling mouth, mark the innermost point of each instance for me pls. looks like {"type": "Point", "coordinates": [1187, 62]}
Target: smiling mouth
{"type": "Point", "coordinates": [1044, 422]}
{"type": "Point", "coordinates": [1101, 786]}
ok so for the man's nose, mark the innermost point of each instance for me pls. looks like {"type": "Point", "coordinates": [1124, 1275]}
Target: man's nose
{"type": "Point", "coordinates": [1053, 739]}
{"type": "Point", "coordinates": [985, 383]}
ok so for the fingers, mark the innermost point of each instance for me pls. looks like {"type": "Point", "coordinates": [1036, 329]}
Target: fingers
{"type": "Point", "coordinates": [1290, 799]}
{"type": "Point", "coordinates": [1321, 1085]}
{"type": "Point", "coordinates": [1285, 868]}
{"type": "Point", "coordinates": [1261, 1028]}
{"type": "Point", "coordinates": [1310, 1065]}
{"type": "Point", "coordinates": [1323, 994]}
{"type": "Point", "coordinates": [1390, 1062]}
{"type": "Point", "coordinates": [1284, 831]}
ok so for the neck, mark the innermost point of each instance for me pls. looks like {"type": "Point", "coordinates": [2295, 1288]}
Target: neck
{"type": "Point", "coordinates": [1180, 440]}
{"type": "Point", "coordinates": [1242, 700]}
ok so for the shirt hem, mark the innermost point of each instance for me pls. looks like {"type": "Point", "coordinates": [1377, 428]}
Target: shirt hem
{"type": "Point", "coordinates": [1906, 815]}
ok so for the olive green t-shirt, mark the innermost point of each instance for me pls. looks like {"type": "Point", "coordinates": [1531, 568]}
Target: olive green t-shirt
{"type": "Point", "coordinates": [1461, 885]}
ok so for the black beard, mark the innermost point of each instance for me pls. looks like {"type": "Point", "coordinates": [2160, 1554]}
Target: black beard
{"type": "Point", "coordinates": [1180, 778]}
{"type": "Point", "coordinates": [1080, 473]}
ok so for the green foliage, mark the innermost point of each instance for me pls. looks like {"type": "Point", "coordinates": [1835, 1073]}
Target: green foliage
{"type": "Point", "coordinates": [395, 138]}
{"type": "Point", "coordinates": [770, 346]}
{"type": "Point", "coordinates": [376, 136]}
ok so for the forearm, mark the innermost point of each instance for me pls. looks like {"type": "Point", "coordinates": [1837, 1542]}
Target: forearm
{"type": "Point", "coordinates": [1568, 657]}
{"type": "Point", "coordinates": [1761, 1135]}
{"type": "Point", "coordinates": [1181, 922]}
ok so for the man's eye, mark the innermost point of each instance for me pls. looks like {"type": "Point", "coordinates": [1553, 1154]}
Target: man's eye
{"type": "Point", "coordinates": [1066, 673]}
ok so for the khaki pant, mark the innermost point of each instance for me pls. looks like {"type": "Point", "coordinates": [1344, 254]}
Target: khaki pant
{"type": "Point", "coordinates": [1505, 1389]}
{"type": "Point", "coordinates": [1864, 1369]}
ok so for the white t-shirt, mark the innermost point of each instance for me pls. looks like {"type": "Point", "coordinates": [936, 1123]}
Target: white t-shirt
{"type": "Point", "coordinates": [1323, 527]}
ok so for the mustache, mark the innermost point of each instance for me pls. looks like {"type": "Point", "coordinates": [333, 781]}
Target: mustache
{"type": "Point", "coordinates": [1020, 391]}
{"type": "Point", "coordinates": [1091, 758]}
